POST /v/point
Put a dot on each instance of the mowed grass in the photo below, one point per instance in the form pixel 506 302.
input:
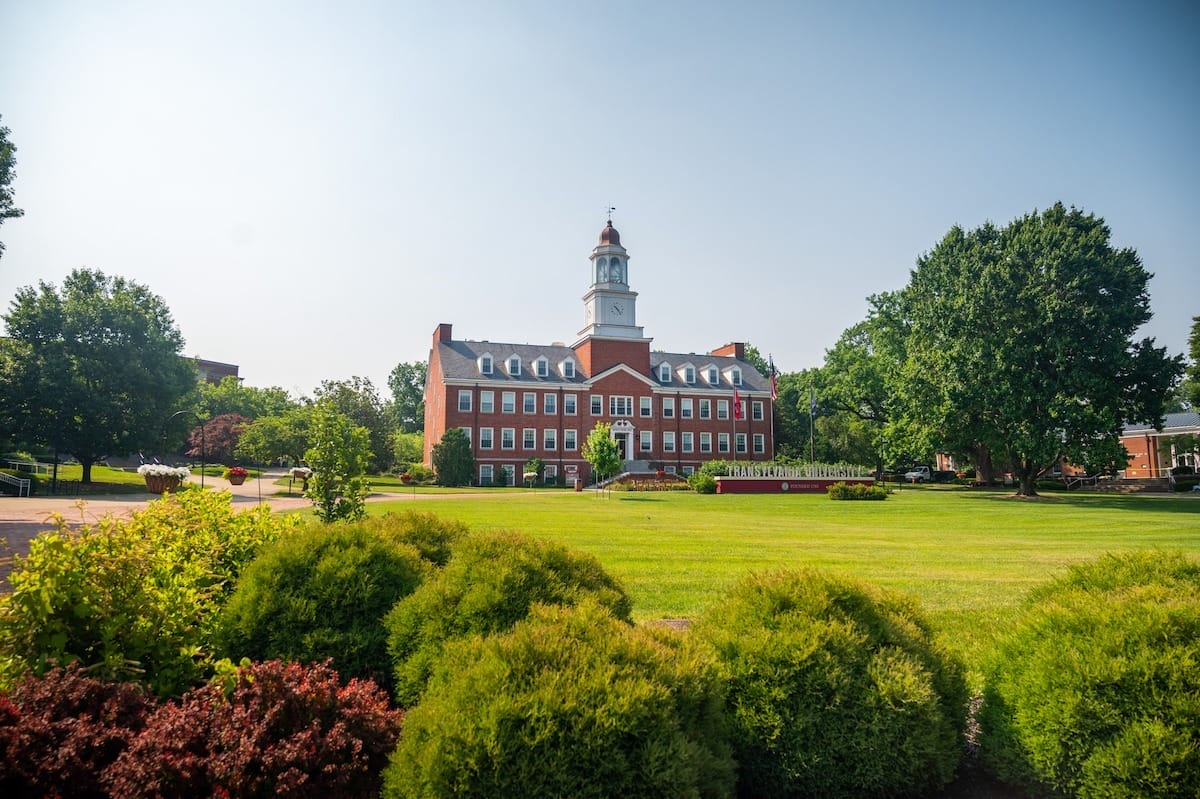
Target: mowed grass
pixel 968 556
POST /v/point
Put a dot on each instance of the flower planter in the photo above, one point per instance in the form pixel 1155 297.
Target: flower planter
pixel 237 479
pixel 159 484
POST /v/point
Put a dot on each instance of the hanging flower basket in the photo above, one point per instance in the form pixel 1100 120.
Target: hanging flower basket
pixel 236 475
pixel 161 478
pixel 406 478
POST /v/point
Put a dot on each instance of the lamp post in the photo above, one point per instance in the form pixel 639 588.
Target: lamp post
pixel 202 446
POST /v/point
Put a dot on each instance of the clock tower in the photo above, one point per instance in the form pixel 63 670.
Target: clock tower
pixel 610 308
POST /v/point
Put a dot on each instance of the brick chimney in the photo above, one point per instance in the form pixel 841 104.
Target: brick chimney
pixel 737 349
pixel 442 333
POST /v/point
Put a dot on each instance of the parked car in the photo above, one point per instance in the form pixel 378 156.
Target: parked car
pixel 917 474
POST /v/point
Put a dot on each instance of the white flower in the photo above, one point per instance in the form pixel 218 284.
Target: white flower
pixel 162 470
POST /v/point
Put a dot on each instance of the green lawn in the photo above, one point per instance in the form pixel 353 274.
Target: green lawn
pixel 969 556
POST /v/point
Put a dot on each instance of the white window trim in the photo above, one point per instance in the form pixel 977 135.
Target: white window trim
pixel 491 438
pixel 465 394
pixel 526 438
pixel 486 363
pixel 525 402
pixel 550 403
pixel 668 407
pixel 550 439
pixel 645 441
pixel 487 401
pixel 664 372
pixel 504 397
pixel 645 407
pixel 593 401
pixel 512 436
pixel 510 362
pixel 572 436
pixel 567 369
pixel 687 407
pixel 574 405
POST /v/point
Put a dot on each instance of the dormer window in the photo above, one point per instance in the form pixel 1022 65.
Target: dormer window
pixel 735 376
pixel 514 366
pixel 485 364
pixel 664 372
pixel 714 377
pixel 689 374
pixel 568 369
pixel 541 367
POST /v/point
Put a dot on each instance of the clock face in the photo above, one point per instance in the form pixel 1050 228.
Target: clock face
pixel 617 308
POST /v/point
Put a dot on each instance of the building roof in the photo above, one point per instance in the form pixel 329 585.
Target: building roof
pixel 610 235
pixel 1172 423
pixel 460 362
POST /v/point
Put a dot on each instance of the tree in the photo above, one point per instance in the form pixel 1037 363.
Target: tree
pixel 94 370
pixel 338 456
pixel 357 400
pixel 407 448
pixel 452 459
pixel 232 396
pixel 1193 371
pixel 7 162
pixel 1018 342
pixel 600 450
pixel 407 384
pixel 217 438
pixel 270 438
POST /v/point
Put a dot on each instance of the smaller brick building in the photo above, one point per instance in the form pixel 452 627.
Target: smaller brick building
pixel 668 411
pixel 1142 441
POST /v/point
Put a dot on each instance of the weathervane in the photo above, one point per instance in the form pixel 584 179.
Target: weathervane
pixel 610 209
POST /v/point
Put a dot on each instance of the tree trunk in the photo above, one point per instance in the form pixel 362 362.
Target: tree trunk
pixel 1027 475
pixel 86 463
pixel 981 459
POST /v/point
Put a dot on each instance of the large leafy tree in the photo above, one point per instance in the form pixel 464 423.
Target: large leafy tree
pixel 232 396
pixel 270 438
pixel 452 459
pixel 1192 393
pixel 1019 343
pixel 7 162
pixel 216 439
pixel 357 400
pixel 94 370
pixel 338 456
pixel 407 384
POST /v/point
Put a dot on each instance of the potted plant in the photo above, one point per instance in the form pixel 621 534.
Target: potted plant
pixel 161 478
pixel 236 475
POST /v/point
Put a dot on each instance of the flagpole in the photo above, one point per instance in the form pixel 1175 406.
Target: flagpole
pixel 734 415
pixel 812 410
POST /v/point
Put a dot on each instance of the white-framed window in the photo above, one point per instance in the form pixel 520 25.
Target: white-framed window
pixel 646 441
pixel 705 409
pixel 664 372
pixel 467 433
pixel 689 374
pixel 620 406
pixel 541 367
pixel 597 404
pixel 570 440
pixel 486 438
pixel 515 470
pixel 686 441
pixel 741 409
pixel 529 402
pixel 669 468
pixel 714 376
pixel 487 401
pixel 514 365
pixel 485 474
pixel 550 474
pixel 757 410
pixel 668 440
pixel 508 402
pixel 668 406
pixel 760 443
pixel 706 442
pixel 549 404
pixel 741 442
pixel 687 471
pixel 645 406
pixel 722 442
pixel 549 439
pixel 464 400
pixel 722 409
pixel 735 375
pixel 568 369
pixel 529 438
pixel 685 407
pixel 508 438
pixel 485 364
pixel 569 404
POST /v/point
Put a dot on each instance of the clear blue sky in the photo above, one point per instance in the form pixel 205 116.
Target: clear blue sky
pixel 313 187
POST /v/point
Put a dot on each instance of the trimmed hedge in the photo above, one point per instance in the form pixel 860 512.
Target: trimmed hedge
pixel 1094 692
pixel 433 537
pixel 836 689
pixel 860 491
pixel 571 702
pixel 322 594
pixel 489 585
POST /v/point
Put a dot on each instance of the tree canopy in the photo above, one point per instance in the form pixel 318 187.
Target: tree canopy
pixel 338 457
pixel 270 438
pixel 232 396
pixel 1192 394
pixel 94 370
pixel 357 400
pixel 407 384
pixel 1018 344
pixel 7 162
pixel 601 452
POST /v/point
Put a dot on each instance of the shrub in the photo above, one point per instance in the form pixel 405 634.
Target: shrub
pixel 133 598
pixel 861 491
pixel 1186 483
pixel 322 594
pixel 714 468
pixel 702 483
pixel 570 702
pixel 420 474
pixel 279 730
pixel 1093 693
pixel 836 689
pixel 58 732
pixel 432 536
pixel 489 585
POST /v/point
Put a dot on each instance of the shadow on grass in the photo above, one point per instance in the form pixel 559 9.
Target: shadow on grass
pixel 641 499
pixel 1165 503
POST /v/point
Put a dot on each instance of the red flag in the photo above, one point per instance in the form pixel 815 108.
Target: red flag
pixel 737 405
pixel 774 388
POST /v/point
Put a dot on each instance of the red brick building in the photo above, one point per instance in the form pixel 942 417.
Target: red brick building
pixel 1148 459
pixel 668 411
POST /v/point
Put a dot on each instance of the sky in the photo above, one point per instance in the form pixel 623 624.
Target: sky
pixel 313 187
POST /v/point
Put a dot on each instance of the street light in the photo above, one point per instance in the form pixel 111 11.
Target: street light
pixel 202 447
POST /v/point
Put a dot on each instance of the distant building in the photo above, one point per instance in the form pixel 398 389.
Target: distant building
pixel 668 411
pixel 1141 441
pixel 214 371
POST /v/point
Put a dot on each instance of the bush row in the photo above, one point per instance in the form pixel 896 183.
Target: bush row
pixel 859 491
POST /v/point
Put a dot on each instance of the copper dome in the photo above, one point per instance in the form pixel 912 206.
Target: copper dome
pixel 610 235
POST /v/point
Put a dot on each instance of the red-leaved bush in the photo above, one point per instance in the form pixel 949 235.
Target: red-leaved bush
pixel 58 732
pixel 285 730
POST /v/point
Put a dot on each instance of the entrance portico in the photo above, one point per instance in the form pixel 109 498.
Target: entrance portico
pixel 622 433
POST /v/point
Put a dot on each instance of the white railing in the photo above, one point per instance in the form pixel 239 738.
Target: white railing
pixel 22 483
pixel 32 467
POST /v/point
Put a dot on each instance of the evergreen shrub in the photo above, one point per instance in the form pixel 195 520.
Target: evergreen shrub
pixel 860 491
pixel 322 593
pixel 274 730
pixel 58 732
pixel 1094 692
pixel 131 599
pixel 702 483
pixel 836 689
pixel 570 702
pixel 489 584
pixel 432 536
